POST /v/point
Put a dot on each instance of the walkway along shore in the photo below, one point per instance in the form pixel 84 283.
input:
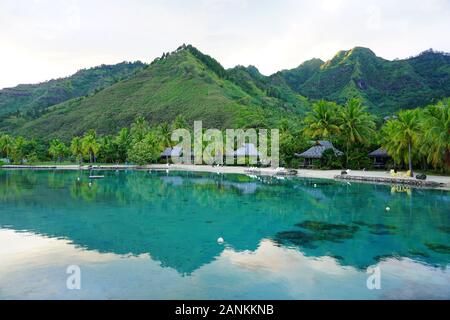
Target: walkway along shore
pixel 383 177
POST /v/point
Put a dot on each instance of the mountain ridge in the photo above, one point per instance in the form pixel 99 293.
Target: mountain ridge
pixel 190 83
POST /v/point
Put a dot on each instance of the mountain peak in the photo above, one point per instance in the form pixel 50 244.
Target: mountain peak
pixel 349 56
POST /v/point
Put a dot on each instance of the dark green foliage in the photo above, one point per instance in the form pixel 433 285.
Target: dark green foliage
pixel 330 160
pixel 385 86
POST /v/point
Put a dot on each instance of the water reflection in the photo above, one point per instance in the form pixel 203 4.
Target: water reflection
pixel 174 220
pixel 34 267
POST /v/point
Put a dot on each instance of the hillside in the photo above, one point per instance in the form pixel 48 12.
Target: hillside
pixel 185 82
pixel 189 83
pixel 33 99
pixel 386 86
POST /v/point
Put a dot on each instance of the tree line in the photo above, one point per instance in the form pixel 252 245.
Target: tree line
pixel 413 138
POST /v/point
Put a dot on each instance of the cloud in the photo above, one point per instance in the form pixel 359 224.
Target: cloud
pixel 46 39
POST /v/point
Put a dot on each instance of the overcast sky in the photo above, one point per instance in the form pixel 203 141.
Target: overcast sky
pixel 45 39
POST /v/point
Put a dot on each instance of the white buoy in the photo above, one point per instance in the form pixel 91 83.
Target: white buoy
pixel 315 185
pixel 90 184
pixel 78 179
pixel 220 240
pixel 388 209
pixel 167 170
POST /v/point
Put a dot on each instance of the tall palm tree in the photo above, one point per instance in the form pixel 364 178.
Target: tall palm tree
pixel 139 129
pixel 322 121
pixel 400 136
pixel 165 133
pixel 57 150
pixel 6 144
pixel 76 147
pixel 436 134
pixel 90 145
pixel 123 140
pixel 357 125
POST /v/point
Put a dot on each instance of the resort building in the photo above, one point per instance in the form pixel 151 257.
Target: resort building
pixel 316 153
pixel 246 150
pixel 169 152
pixel 380 158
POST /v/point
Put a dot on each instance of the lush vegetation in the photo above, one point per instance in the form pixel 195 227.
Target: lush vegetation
pixel 30 101
pixel 419 137
pixel 131 118
pixel 414 138
pixel 189 83
pixel 384 86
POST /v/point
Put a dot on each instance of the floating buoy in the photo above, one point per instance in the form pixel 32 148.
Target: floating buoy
pixel 90 184
pixel 315 185
pixel 78 179
pixel 388 209
pixel 167 170
pixel 220 240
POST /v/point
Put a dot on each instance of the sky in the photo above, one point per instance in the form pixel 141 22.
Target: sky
pixel 46 39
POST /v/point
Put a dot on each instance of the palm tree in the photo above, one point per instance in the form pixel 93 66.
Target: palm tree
pixel 6 144
pixel 57 150
pixel 18 149
pixel 77 148
pixel 400 136
pixel 180 123
pixel 436 134
pixel 123 140
pixel 322 121
pixel 139 129
pixel 90 145
pixel 166 134
pixel 357 125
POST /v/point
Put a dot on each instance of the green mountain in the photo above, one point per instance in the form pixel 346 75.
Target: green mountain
pixel 189 83
pixel 184 82
pixel 33 99
pixel 386 86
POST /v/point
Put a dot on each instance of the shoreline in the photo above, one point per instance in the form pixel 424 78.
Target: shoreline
pixel 374 177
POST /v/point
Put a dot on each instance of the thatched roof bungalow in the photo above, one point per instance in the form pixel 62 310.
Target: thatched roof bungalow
pixel 316 152
pixel 380 157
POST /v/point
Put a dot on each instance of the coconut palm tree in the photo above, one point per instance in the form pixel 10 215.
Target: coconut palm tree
pixel 436 134
pixel 90 145
pixel 356 125
pixel 76 147
pixel 57 150
pixel 123 140
pixel 322 121
pixel 139 129
pixel 400 136
pixel 6 144
pixel 165 133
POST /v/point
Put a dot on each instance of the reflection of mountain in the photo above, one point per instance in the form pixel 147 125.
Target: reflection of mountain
pixel 177 217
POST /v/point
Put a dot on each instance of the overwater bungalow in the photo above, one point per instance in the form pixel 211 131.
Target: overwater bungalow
pixel 380 158
pixel 316 153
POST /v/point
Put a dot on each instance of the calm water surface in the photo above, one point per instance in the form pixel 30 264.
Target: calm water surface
pixel 141 235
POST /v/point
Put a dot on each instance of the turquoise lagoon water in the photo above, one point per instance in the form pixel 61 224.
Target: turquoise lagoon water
pixel 153 235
